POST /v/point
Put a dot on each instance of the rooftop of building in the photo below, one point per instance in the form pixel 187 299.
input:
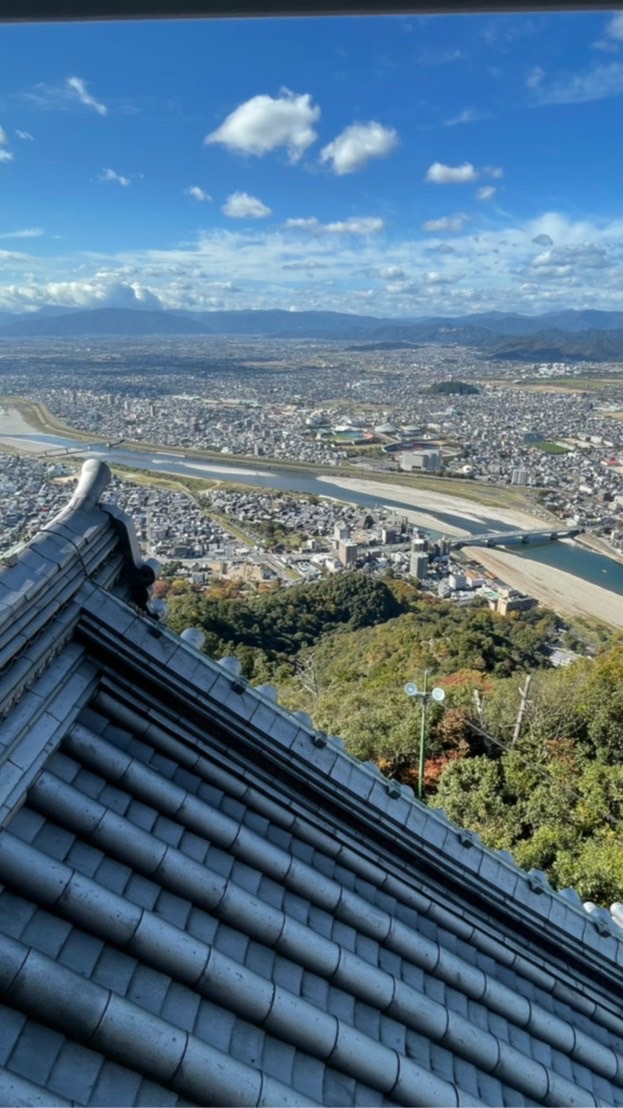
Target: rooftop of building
pixel 205 900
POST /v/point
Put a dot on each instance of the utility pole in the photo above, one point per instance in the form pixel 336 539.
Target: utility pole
pixel 424 695
pixel 306 673
pixel 523 704
pixel 479 703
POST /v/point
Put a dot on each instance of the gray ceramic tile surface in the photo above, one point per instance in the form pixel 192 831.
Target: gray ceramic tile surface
pixel 292 947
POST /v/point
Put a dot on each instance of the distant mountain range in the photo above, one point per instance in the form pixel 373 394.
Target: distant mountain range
pixel 552 336
pixel 556 346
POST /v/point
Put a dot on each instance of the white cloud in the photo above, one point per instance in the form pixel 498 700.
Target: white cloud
pixel 535 77
pixel 77 86
pixel 4 138
pixel 111 175
pixel 391 273
pixel 6 156
pixel 436 278
pixel 587 255
pixel 197 193
pixel 102 291
pixel 441 174
pixel 477 272
pixel 468 115
pixel 264 123
pixel 440 248
pixel 355 225
pixel 25 136
pixel 304 267
pixel 494 171
pixel 27 233
pixel 602 82
pixel 615 27
pixel 543 240
pixel 452 223
pixel 487 192
pixel 356 146
pixel 242 206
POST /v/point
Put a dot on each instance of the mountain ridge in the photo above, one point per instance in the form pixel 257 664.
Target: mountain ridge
pixel 553 336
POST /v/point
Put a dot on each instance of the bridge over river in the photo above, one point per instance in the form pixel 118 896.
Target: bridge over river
pixel 518 538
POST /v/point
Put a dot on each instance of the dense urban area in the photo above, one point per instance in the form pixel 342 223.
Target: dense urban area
pixel 431 410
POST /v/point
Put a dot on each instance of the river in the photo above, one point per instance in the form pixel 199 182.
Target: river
pixel 568 556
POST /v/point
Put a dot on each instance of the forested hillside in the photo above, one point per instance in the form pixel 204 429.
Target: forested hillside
pixel 342 650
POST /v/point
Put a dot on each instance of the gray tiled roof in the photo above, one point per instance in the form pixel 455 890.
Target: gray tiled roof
pixel 202 900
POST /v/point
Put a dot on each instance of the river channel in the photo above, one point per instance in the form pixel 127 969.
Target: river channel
pixel 568 556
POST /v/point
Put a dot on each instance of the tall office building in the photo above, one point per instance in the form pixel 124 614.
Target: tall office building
pixel 418 565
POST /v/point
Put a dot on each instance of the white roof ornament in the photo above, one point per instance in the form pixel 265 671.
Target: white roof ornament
pixel 231 664
pixel 194 637
pixel 158 608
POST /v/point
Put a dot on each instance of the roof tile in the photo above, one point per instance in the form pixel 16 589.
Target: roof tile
pixel 247 1043
pixel 151 1095
pixel 180 1006
pixel 114 970
pixel 115 799
pixel 278 1059
pixel 168 831
pixel 367 1020
pixel 315 989
pixel 95 721
pixel 141 815
pixel 35 1052
pixel 173 908
pixel 193 846
pixel 46 933
pixel 148 988
pixel 186 780
pixel 215 1025
pixel 308 1075
pixel 113 875
pixel 116 1086
pixel 81 952
pixel 89 783
pixel 11 1024
pixel 63 766
pixel 338 1088
pixel 260 960
pixel 288 975
pixel 458 935
pixel 75 1072
pixel 26 824
pixel 247 877
pixel 202 926
pixel 54 841
pixel 85 858
pixel 341 1005
pixel 232 943
pixel 140 890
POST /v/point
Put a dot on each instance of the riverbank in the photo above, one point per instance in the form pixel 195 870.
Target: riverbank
pixel 36 417
pixel 426 503
pixel 12 423
pixel 575 589
pixel 560 591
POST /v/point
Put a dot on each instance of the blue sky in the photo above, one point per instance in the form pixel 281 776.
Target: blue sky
pixel 380 165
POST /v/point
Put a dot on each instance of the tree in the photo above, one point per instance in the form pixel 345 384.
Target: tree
pixel 473 794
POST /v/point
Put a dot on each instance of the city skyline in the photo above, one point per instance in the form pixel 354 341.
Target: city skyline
pixel 380 165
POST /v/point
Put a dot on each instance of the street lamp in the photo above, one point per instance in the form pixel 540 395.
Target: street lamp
pixel 423 695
